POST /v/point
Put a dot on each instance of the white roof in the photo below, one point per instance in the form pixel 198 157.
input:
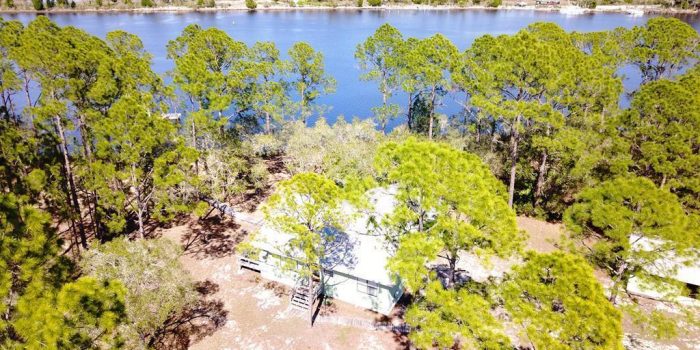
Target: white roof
pixel 367 255
pixel 687 273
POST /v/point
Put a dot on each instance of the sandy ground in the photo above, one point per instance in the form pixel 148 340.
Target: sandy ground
pixel 256 311
pixel 253 313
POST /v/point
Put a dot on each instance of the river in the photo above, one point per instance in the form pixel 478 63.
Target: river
pixel 336 34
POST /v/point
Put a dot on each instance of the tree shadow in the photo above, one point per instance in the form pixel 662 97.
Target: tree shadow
pixel 194 323
pixel 394 323
pixel 212 237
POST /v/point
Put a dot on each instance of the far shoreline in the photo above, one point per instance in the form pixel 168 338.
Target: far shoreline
pixel 647 9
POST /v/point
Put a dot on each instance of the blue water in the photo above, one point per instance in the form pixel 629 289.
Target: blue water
pixel 336 34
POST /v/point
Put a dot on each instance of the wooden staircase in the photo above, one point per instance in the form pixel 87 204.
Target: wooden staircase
pixel 305 294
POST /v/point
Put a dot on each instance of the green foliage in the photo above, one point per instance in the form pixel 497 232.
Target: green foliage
pixel 41 307
pixel 560 305
pixel 374 3
pixel 495 3
pixel 448 203
pixel 147 3
pixel 157 286
pixel 359 3
pixel 310 78
pixel 340 152
pixel 664 46
pixel 425 73
pixel 547 101
pixel 251 4
pixel 635 224
pixel 380 58
pixel 38 4
pixel 662 128
pixel 308 208
pixel 447 314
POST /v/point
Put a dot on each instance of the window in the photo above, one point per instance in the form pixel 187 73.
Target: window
pixel 367 287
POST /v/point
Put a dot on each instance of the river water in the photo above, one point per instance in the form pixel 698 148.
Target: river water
pixel 336 34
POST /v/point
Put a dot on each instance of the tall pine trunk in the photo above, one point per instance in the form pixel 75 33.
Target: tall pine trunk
pixel 72 192
pixel 514 138
pixel 432 115
pixel 539 186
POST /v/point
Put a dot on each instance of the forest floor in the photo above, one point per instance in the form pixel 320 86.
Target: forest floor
pixel 257 313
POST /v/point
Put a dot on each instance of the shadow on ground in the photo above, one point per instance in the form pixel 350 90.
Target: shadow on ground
pixel 194 323
pixel 212 237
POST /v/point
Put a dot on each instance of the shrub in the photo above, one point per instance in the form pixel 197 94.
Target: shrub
pixel 211 3
pixel 98 3
pixel 374 3
pixel 251 4
pixel 38 5
pixel 147 3
pixel 72 4
pixel 476 2
pixel 359 3
pixel 417 2
pixel 10 3
pixel 495 3
pixel 50 3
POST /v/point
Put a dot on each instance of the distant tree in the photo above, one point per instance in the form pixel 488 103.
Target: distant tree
pixel 269 97
pixel 157 286
pixel 310 80
pixel 141 164
pixel 559 304
pixel 380 58
pixel 374 3
pixel 663 47
pixel 251 4
pixel 553 108
pixel 426 70
pixel 662 127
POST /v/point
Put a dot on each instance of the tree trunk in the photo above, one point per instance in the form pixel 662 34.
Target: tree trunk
pixel 617 281
pixel 432 114
pixel 663 181
pixel 194 145
pixel 540 179
pixel 514 160
pixel 453 269
pixel 267 123
pixel 72 192
pixel 139 201
pixel 409 117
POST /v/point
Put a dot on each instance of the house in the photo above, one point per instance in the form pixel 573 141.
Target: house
pixel 355 268
pixel 670 267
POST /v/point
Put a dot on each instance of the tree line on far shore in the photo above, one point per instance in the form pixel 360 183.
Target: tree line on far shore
pixel 92 158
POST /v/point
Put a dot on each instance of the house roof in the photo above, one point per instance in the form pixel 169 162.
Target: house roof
pixel 363 253
pixel 684 272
